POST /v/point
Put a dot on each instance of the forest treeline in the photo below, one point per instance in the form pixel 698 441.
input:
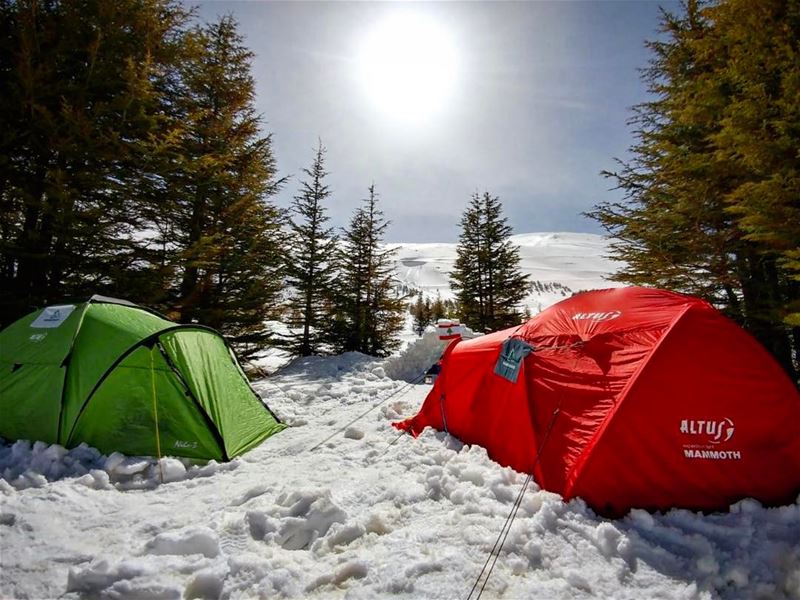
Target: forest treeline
pixel 133 164
pixel 712 188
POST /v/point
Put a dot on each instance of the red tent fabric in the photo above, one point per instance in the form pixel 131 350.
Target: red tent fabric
pixel 632 397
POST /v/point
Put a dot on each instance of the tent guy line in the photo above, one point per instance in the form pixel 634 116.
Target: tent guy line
pixel 392 443
pixel 506 529
pixel 402 389
pixel 497 548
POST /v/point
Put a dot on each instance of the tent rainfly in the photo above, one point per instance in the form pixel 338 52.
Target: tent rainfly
pixel 122 378
pixel 628 397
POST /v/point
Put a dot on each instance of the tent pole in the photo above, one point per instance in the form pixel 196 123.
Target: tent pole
pixel 155 413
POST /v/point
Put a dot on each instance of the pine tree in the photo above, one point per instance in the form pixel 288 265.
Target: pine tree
pixel 81 114
pixel 349 307
pixel 311 259
pixel 369 312
pixel 216 217
pixel 506 286
pixel 467 278
pixel 756 45
pixel 694 217
pixel 420 314
pixel 486 275
pixel 438 309
pixel 661 229
pixel 385 304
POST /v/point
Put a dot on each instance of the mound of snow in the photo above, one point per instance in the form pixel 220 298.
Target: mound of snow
pixel 191 540
pixel 416 358
pixel 33 465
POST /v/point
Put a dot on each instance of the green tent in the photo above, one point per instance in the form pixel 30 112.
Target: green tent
pixel 122 378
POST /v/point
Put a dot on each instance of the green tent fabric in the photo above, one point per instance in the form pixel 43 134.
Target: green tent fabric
pixel 121 378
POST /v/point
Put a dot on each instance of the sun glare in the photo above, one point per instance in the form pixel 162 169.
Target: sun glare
pixel 408 66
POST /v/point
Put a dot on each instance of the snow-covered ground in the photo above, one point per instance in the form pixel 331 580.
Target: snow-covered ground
pixel 558 265
pixel 365 514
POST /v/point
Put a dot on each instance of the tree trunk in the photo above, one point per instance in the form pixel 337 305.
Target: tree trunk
pixel 191 275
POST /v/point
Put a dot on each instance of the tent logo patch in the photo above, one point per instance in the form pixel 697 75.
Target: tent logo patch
pixel 53 316
pixel 710 432
pixel 705 436
pixel 712 454
pixel 597 316
pixel 184 444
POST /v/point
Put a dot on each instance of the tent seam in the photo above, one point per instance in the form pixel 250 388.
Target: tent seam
pixel 106 300
pixel 67 363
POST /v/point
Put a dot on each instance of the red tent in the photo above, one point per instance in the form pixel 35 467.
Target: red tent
pixel 630 397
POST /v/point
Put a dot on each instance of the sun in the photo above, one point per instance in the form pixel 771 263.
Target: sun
pixel 408 66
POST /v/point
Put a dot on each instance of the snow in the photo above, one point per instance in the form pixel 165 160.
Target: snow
pixel 416 357
pixel 561 263
pixel 341 504
pixel 369 513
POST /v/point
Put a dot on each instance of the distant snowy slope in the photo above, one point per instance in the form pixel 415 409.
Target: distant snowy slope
pixel 558 265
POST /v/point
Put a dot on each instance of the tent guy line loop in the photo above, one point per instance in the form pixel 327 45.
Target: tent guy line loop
pixel 402 389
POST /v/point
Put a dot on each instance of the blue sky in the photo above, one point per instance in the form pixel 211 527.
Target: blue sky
pixel 537 109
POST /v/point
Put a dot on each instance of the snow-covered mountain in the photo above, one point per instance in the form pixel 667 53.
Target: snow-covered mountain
pixel 558 264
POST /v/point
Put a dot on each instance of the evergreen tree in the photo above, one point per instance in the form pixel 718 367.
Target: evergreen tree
pixel 310 259
pixel 664 235
pixel 81 115
pixel 758 77
pixel 216 215
pixel 438 309
pixel 486 275
pixel 422 312
pixel 369 312
pixel 700 187
pixel 468 277
pixel 349 308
